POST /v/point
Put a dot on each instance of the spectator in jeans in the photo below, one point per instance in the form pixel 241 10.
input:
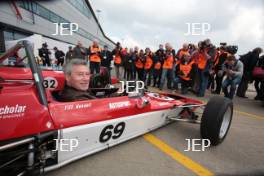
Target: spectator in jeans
pixel 234 72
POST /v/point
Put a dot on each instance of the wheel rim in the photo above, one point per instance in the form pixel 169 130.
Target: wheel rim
pixel 225 123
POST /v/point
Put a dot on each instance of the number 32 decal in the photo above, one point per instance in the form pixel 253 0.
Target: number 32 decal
pixel 111 131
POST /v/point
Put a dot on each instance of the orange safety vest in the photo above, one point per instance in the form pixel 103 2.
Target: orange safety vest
pixel 186 69
pixel 95 57
pixel 183 52
pixel 157 65
pixel 117 59
pixel 148 63
pixel 139 64
pixel 202 61
pixel 168 62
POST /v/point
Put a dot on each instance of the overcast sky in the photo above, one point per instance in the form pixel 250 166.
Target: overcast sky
pixel 147 23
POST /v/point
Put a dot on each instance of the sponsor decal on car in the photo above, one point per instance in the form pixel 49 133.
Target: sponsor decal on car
pixel 12 111
pixel 164 103
pixel 77 106
pixel 119 105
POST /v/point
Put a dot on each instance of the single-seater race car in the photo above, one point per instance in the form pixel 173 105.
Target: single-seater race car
pixel 39 133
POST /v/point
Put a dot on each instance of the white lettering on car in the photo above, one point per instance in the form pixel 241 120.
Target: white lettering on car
pixel 12 111
pixel 119 105
pixel 77 106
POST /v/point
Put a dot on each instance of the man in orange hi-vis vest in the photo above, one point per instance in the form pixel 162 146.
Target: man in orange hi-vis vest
pixel 167 67
pixel 148 67
pixel 117 59
pixel 139 63
pixel 184 50
pixel 203 69
pixel 157 69
pixel 94 58
pixel 183 73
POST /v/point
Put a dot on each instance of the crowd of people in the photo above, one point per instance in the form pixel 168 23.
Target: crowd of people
pixel 192 68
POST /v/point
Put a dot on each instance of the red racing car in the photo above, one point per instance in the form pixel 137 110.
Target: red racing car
pixel 39 133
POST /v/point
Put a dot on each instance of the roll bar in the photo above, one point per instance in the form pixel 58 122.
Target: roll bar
pixel 36 72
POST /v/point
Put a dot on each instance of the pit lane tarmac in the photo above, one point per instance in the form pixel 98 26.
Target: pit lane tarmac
pixel 162 152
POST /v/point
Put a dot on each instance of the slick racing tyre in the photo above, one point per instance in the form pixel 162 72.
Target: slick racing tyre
pixel 216 119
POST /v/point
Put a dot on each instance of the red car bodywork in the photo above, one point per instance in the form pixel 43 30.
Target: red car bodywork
pixel 37 118
pixel 18 91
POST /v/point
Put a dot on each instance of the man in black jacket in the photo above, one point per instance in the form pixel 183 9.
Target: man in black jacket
pixel 106 58
pixel 59 55
pixel 249 60
pixel 69 54
pixel 44 55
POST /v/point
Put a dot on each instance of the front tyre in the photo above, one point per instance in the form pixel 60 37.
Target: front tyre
pixel 216 119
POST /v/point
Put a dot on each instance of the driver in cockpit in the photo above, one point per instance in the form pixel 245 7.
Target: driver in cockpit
pixel 77 76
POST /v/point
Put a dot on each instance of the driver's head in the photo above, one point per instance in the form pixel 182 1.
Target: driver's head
pixel 77 74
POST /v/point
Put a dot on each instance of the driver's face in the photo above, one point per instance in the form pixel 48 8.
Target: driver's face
pixel 79 78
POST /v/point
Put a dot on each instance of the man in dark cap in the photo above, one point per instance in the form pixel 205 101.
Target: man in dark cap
pixel 69 55
pixel 44 55
pixel 106 58
pixel 59 55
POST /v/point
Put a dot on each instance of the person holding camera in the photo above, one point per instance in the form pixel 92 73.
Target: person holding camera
pixel 183 73
pixel 249 60
pixel 233 69
pixel 167 67
pixel 59 55
pixel 203 64
pixel 44 54
pixel 218 69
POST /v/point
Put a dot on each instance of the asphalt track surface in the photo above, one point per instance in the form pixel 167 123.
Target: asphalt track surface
pixel 161 152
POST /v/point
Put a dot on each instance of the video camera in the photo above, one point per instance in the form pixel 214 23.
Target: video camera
pixel 232 49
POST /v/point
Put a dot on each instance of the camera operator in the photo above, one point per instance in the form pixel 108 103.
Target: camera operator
pixel 233 69
pixel 204 64
pixel 218 68
pixel 249 60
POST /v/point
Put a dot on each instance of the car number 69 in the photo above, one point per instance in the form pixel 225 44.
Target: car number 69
pixel 111 131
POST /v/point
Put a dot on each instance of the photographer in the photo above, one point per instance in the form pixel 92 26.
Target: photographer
pixel 249 60
pixel 204 65
pixel 167 67
pixel 44 54
pixel 183 73
pixel 59 55
pixel 218 69
pixel 233 69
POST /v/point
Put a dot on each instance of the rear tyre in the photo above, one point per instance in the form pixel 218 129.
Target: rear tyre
pixel 216 119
